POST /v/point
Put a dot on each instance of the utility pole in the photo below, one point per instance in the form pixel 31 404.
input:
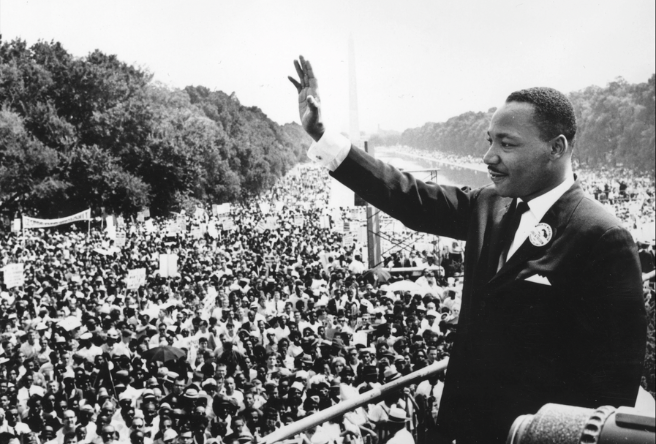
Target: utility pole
pixel 373 226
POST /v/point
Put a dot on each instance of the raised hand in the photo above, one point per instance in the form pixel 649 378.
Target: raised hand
pixel 309 105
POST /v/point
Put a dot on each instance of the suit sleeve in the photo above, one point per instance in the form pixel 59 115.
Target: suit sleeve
pixel 617 319
pixel 421 206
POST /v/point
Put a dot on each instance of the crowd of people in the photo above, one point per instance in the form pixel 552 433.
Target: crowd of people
pixel 266 316
pixel 626 193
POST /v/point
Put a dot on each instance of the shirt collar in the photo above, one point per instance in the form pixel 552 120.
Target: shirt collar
pixel 541 204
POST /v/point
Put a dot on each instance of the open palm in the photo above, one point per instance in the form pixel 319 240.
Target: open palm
pixel 309 107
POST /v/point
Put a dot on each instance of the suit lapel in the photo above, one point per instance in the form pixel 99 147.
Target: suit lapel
pixel 557 218
pixel 486 264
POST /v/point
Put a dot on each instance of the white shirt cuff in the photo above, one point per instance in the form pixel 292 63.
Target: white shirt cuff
pixel 330 151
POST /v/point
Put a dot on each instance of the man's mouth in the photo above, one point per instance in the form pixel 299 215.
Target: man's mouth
pixel 496 176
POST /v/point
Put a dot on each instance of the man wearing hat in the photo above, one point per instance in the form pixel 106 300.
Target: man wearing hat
pixel 396 426
pixel 86 348
pixel 430 322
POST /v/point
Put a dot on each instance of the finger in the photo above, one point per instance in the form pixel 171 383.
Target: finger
pixel 310 74
pixel 296 84
pixel 304 63
pixel 299 71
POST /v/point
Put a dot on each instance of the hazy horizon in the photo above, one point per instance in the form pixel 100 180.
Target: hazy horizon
pixel 416 62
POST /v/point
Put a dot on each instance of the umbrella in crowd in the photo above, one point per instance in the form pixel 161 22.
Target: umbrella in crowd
pixel 163 353
pixel 70 323
pixel 407 286
pixel 377 274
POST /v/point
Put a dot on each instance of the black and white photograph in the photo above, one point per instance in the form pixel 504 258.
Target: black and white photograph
pixel 327 222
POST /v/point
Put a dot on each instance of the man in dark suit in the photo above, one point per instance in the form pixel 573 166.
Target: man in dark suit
pixel 552 308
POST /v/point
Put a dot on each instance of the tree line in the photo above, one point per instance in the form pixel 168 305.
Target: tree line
pixel 616 128
pixel 80 132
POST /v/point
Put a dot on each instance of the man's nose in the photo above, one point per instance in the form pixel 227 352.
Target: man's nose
pixel 491 157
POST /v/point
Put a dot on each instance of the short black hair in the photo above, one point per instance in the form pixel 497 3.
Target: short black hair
pixel 554 113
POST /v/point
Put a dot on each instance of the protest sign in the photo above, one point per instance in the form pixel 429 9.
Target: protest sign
pixel 121 238
pixel 199 213
pixel 212 231
pixel 168 265
pixel 265 207
pixel 135 278
pixel 16 226
pixel 324 221
pixel 228 225
pixel 270 259
pixel 31 222
pixel 218 210
pixel 271 223
pixel 347 240
pixel 172 229
pixel 14 276
pixel 146 212
pixel 360 337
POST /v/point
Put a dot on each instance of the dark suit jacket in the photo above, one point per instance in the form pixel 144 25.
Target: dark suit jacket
pixel 519 345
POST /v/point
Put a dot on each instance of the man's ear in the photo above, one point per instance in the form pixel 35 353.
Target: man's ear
pixel 559 147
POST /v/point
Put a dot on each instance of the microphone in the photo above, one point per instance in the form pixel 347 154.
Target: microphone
pixel 564 424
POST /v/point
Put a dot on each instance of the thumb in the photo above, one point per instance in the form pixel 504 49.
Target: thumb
pixel 313 103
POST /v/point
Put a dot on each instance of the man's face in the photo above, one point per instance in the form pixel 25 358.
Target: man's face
pixel 518 160
pixel 108 434
pixel 178 386
pixel 150 411
pixel 12 416
pixel 238 425
pixel 137 424
pixel 69 419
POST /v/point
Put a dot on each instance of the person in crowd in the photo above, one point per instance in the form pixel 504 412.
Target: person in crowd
pixel 271 321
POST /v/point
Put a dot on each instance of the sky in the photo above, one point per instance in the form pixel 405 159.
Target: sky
pixel 416 61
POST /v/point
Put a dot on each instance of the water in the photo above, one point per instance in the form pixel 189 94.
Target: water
pixel 447 174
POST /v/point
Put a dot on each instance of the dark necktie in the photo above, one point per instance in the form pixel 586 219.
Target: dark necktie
pixel 510 228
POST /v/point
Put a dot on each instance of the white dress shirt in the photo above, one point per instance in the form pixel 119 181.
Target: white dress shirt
pixel 538 207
